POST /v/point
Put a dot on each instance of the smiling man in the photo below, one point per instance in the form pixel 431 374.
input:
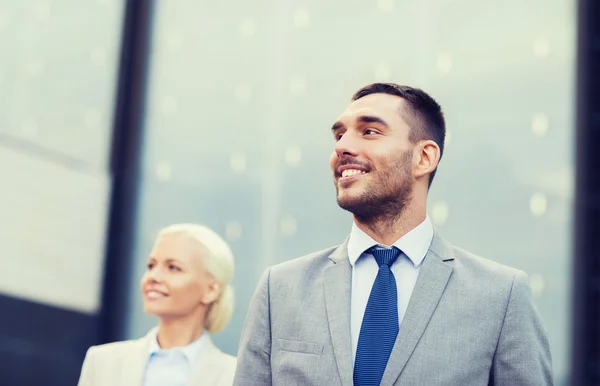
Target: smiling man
pixel 394 304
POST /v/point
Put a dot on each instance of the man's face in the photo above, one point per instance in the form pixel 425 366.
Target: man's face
pixel 373 159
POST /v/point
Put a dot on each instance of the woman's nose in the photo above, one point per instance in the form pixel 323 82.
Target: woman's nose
pixel 155 275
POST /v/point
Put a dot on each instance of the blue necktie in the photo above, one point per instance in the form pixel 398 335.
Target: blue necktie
pixel 380 323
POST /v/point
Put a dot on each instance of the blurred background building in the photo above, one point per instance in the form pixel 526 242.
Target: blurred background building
pixel 120 117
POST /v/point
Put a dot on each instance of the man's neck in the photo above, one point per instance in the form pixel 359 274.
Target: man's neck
pixel 388 230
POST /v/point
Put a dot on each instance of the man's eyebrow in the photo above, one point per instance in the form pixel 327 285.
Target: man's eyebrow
pixel 336 126
pixel 372 119
pixel 361 119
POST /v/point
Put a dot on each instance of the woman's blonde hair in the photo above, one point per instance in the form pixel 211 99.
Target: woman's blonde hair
pixel 218 260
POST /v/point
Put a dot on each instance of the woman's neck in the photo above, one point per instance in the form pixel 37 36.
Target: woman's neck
pixel 179 332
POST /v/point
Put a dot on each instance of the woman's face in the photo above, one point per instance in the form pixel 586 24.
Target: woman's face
pixel 176 283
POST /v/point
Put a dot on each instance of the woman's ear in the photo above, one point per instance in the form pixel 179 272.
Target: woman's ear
pixel 213 291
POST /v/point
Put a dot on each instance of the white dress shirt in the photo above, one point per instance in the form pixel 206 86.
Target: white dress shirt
pixel 414 246
pixel 172 366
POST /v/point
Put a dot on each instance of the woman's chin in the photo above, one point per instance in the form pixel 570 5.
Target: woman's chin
pixel 152 309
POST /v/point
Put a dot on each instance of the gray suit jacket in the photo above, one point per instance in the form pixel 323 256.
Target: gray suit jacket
pixel 470 321
pixel 124 364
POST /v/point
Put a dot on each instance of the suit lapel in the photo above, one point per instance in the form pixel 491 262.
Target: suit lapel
pixel 133 365
pixel 208 366
pixel 426 295
pixel 337 282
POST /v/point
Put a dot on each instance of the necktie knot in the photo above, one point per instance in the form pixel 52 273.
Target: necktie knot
pixel 385 256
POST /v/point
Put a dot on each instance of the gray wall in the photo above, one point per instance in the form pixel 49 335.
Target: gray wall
pixel 241 100
pixel 57 84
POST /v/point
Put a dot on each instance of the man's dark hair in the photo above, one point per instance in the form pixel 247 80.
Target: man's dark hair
pixel 422 113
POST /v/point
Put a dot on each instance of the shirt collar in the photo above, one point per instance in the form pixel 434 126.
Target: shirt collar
pixel 191 351
pixel 414 244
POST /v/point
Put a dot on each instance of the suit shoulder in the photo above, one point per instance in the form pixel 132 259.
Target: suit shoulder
pixel 227 359
pixel 303 262
pixel 230 361
pixel 228 364
pixel 114 348
pixel 485 267
pixel 301 266
pixel 485 279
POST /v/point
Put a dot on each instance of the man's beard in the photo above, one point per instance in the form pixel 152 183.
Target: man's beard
pixel 385 197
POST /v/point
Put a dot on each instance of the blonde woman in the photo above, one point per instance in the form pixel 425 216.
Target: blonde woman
pixel 187 286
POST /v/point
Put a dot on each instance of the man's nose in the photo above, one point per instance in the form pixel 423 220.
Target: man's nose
pixel 347 144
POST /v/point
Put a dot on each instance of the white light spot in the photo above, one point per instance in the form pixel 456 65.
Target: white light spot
pixel 297 86
pixel 302 18
pixel 4 19
pixel 92 119
pixel 538 204
pixel 248 28
pixel 233 230
pixel 448 137
pixel 293 155
pixel 163 172
pixel 537 283
pixel 237 162
pixel 175 40
pixel 385 5
pixel 29 128
pixel 35 68
pixel 288 225
pixel 168 105
pixel 444 63
pixel 440 212
pixel 243 93
pixel 42 11
pixel 541 48
pixel 539 124
pixel 383 72
pixel 98 57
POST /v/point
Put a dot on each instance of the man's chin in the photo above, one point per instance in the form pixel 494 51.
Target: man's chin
pixel 350 203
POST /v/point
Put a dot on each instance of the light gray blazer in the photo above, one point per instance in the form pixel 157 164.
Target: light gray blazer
pixel 124 364
pixel 470 321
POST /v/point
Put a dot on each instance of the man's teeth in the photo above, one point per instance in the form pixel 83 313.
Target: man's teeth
pixel 351 172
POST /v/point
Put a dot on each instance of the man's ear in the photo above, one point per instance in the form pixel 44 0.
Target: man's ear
pixel 428 157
